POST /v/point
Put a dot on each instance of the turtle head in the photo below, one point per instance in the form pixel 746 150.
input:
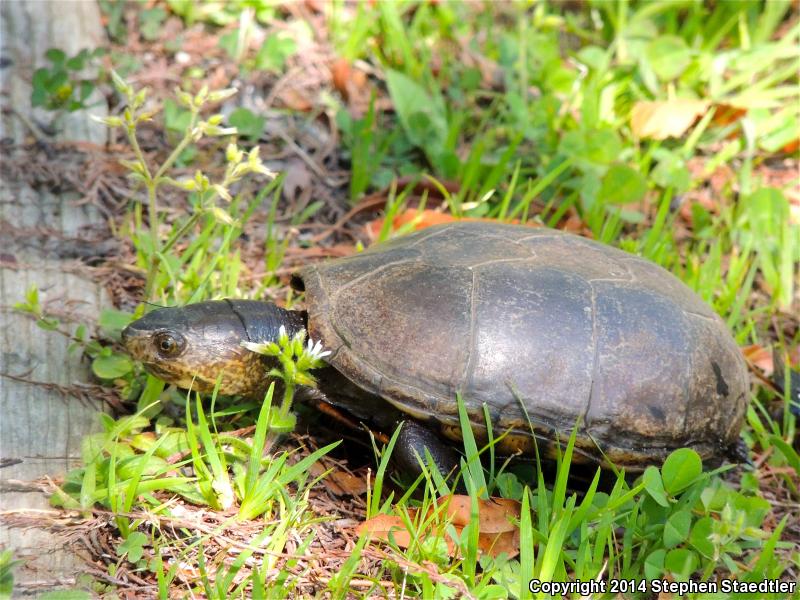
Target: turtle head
pixel 194 345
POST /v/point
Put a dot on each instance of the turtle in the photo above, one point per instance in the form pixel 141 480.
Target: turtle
pixel 536 330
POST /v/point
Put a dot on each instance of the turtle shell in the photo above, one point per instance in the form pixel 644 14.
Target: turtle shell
pixel 538 329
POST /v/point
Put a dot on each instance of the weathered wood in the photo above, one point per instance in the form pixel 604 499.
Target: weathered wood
pixel 41 427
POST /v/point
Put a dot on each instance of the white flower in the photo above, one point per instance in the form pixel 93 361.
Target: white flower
pixel 254 347
pixel 283 337
pixel 315 351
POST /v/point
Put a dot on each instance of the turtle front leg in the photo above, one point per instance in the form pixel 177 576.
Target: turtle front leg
pixel 409 451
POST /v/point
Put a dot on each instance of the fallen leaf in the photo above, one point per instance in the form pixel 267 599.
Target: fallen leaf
pixel 297 183
pixel 335 251
pixel 497 529
pixel 340 74
pixel 791 147
pixel 294 99
pixel 385 528
pixel 575 224
pixel 760 357
pixel 727 114
pixel 420 219
pixel 352 84
pixel 660 120
pixel 338 481
pixel 494 514
pixel 435 188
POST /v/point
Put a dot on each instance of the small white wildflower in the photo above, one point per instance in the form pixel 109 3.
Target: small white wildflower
pixel 202 95
pixel 189 185
pixel 224 492
pixel 233 154
pixel 184 98
pixel 315 351
pixel 138 99
pixel 221 215
pixel 121 85
pixel 222 191
pixel 133 165
pixel 283 337
pixel 215 130
pixel 254 164
pixel 107 121
pixel 202 183
pixel 219 95
pixel 256 347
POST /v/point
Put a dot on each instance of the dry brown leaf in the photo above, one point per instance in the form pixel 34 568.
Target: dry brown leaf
pixel 386 527
pixel 574 224
pixel 497 533
pixel 298 182
pixel 495 513
pixel 315 252
pixel 340 74
pixel 420 219
pixel 294 99
pixel 727 114
pixel 350 484
pixel 352 84
pixel 660 120
pixel 791 147
pixel 338 481
pixel 760 357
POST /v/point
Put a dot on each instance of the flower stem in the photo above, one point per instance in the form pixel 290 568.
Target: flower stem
pixel 288 395
pixel 152 182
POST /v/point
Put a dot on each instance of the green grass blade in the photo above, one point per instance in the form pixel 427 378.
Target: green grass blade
pixel 259 442
pixel 474 470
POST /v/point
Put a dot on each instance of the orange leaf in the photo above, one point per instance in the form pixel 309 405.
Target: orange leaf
pixel 495 544
pixel 791 147
pixel 352 84
pixel 760 357
pixel 495 514
pixel 340 73
pixel 727 114
pixel 660 120
pixel 338 481
pixel 420 219
pixel 386 527
pixel 497 530
pixel 294 99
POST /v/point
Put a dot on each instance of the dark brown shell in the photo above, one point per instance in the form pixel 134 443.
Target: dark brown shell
pixel 545 329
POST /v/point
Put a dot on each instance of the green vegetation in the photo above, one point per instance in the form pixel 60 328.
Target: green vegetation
pixel 59 87
pixel 658 127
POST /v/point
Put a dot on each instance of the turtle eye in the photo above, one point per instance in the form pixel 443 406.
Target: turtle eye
pixel 168 344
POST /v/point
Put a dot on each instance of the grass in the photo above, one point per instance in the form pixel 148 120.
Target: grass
pixel 510 112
